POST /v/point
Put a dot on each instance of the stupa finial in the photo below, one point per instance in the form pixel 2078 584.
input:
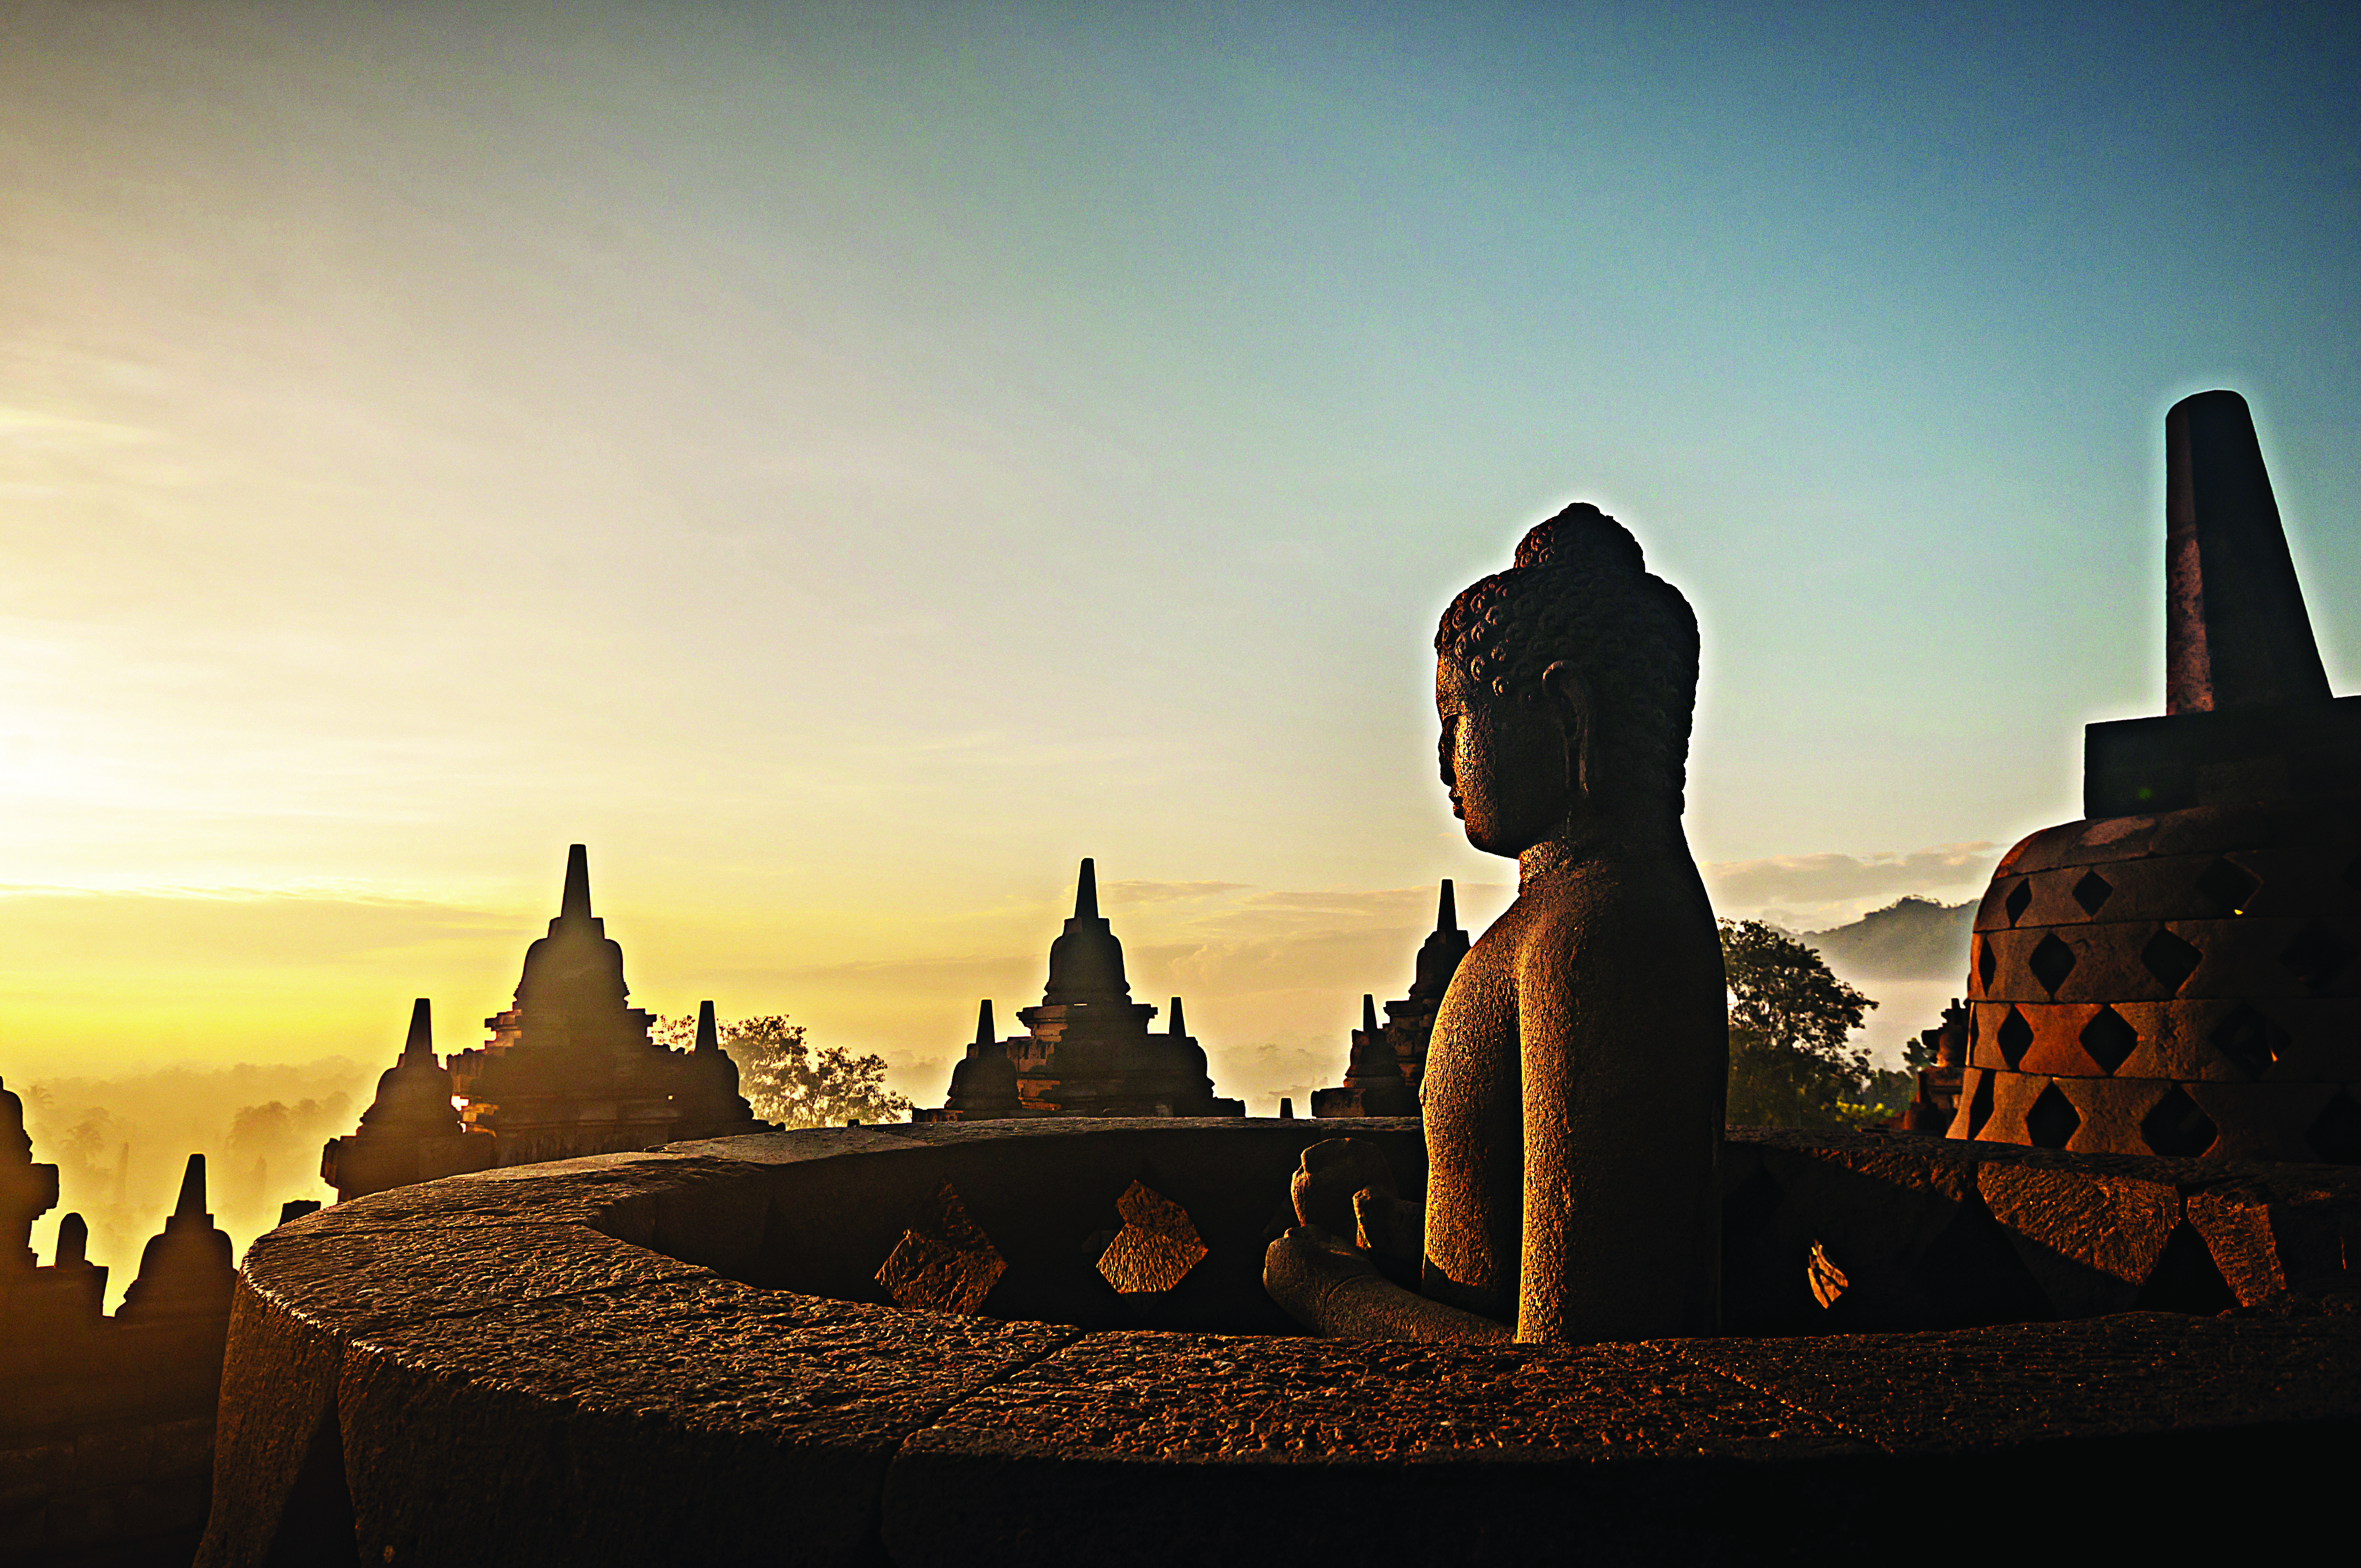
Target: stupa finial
pixel 1086 892
pixel 708 1032
pixel 1446 909
pixel 420 1045
pixel 1178 1025
pixel 575 904
pixel 1369 1015
pixel 191 1205
pixel 984 1032
pixel 2236 634
pixel 73 1242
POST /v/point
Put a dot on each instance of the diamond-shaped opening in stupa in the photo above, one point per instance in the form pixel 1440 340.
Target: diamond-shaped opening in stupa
pixel 2179 1127
pixel 1984 962
pixel 2335 1133
pixel 1980 1103
pixel 2229 887
pixel 2316 957
pixel 2052 1120
pixel 2170 959
pixel 2015 1037
pixel 2093 891
pixel 2109 1040
pixel 2248 1041
pixel 2051 962
pixel 2018 897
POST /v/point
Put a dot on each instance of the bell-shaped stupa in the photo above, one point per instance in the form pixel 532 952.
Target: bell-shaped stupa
pixel 1369 1088
pixel 411 1131
pixel 187 1271
pixel 570 1069
pixel 2179 973
pixel 707 1100
pixel 1087 1050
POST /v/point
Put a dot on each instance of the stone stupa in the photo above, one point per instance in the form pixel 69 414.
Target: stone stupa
pixel 2176 973
pixel 1087 1050
pixel 411 1131
pixel 570 1069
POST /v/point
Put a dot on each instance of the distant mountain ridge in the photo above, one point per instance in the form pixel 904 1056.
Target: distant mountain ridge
pixel 1914 938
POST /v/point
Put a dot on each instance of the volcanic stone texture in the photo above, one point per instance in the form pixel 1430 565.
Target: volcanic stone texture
pixel 689 1352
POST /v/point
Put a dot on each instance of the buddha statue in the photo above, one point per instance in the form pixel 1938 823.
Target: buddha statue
pixel 1574 1089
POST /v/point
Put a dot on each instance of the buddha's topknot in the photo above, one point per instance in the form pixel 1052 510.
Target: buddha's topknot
pixel 1581 593
pixel 1581 533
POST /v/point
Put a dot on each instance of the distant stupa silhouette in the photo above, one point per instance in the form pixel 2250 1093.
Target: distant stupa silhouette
pixel 1387 1062
pixel 1087 1050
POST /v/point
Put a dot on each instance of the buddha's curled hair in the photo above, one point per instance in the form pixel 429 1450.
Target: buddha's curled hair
pixel 1580 592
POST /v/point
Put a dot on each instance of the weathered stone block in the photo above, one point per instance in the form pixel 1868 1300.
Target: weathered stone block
pixel 2267 1239
pixel 2089 1241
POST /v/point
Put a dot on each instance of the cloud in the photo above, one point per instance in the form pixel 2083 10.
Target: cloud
pixel 1116 893
pixel 1831 882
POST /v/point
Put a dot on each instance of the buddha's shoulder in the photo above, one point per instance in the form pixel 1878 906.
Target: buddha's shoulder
pixel 1611 913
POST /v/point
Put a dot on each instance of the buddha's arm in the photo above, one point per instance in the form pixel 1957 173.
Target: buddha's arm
pixel 1621 1040
pixel 1552 1023
pixel 1334 1289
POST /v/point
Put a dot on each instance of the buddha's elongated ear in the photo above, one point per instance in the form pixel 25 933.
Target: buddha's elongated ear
pixel 1565 690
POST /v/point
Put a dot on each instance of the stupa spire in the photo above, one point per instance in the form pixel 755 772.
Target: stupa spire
pixel 1086 891
pixel 1178 1025
pixel 1446 909
pixel 191 1205
pixel 420 1045
pixel 708 1032
pixel 985 1033
pixel 575 904
pixel 1369 1015
pixel 2236 633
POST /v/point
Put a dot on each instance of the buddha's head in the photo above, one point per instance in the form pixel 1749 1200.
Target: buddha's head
pixel 1565 686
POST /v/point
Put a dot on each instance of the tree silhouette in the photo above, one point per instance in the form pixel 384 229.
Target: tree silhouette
pixel 1789 1020
pixel 788 1082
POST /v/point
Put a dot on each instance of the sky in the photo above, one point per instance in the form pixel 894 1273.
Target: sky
pixel 846 464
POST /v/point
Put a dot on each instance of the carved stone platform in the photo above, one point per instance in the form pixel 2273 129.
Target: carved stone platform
pixel 1044 1342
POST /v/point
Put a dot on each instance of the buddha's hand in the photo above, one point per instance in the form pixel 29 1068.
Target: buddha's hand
pixel 1394 1229
pixel 1334 1289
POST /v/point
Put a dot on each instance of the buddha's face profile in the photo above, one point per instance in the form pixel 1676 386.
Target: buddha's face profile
pixel 1505 759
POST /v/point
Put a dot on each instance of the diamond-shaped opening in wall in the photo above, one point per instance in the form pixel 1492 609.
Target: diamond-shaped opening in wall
pixel 1980 1103
pixel 2051 962
pixel 2109 1040
pixel 2018 897
pixel 2015 1037
pixel 2170 959
pixel 1984 962
pixel 2052 1120
pixel 2248 1041
pixel 2335 1133
pixel 1157 1247
pixel 944 1262
pixel 2093 891
pixel 2316 957
pixel 2229 887
pixel 2179 1127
